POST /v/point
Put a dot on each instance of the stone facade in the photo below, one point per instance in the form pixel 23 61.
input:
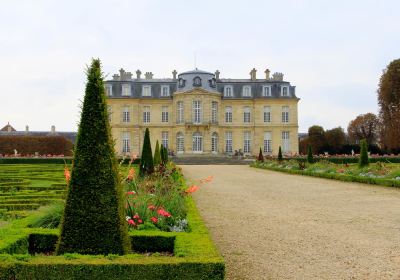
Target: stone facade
pixel 191 113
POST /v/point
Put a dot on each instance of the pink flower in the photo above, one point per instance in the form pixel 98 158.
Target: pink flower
pixel 131 222
pixel 154 219
pixel 164 213
pixel 192 189
pixel 139 221
pixel 136 216
pixel 151 207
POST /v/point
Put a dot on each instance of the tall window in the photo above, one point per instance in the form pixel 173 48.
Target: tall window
pixel 126 115
pixel 285 141
pixel 146 114
pixel 246 91
pixel 247 142
pixel 285 114
pixel 164 114
pixel 164 91
pixel 228 142
pixel 164 139
pixel 214 112
pixel 197 142
pixel 196 111
pixel 228 91
pixel 197 82
pixel 109 112
pixel 180 142
pixel 126 90
pixel 228 114
pixel 285 91
pixel 246 114
pixel 126 142
pixel 267 142
pixel 146 90
pixel 214 142
pixel 109 90
pixel 267 114
pixel 266 91
pixel 179 112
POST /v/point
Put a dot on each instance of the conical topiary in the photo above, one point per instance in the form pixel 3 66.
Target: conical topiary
pixel 166 155
pixel 157 155
pixel 280 157
pixel 146 161
pixel 363 161
pixel 260 156
pixel 310 158
pixel 94 217
pixel 162 152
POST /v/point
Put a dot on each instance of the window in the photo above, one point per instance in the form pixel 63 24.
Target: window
pixel 181 82
pixel 285 91
pixel 126 90
pixel 266 91
pixel 246 91
pixel 285 114
pixel 180 142
pixel 164 114
pixel 197 142
pixel 164 91
pixel 267 114
pixel 214 112
pixel 126 142
pixel 109 112
pixel 197 82
pixel 179 112
pixel 109 90
pixel 228 91
pixel 214 142
pixel 267 142
pixel 228 114
pixel 126 114
pixel 246 114
pixel 146 90
pixel 164 139
pixel 285 141
pixel 228 142
pixel 196 111
pixel 146 114
pixel 247 142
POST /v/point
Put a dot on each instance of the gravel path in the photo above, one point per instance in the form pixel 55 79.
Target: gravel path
pixel 271 225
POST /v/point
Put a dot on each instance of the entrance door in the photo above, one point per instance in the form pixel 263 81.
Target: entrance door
pixel 197 143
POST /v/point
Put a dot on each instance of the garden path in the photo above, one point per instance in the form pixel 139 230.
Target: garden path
pixel 271 225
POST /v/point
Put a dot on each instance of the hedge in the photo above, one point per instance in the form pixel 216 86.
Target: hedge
pixel 344 160
pixel 49 160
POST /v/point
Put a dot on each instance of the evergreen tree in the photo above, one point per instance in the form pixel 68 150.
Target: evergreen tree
pixel 94 217
pixel 260 156
pixel 280 157
pixel 363 161
pixel 146 160
pixel 157 154
pixel 164 155
pixel 310 158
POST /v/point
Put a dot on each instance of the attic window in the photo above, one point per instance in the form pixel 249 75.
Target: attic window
pixel 197 82
pixel 181 82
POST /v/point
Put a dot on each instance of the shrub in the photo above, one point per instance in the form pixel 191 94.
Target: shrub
pixel 363 161
pixel 260 156
pixel 280 157
pixel 164 154
pixel 28 145
pixel 94 220
pixel 146 161
pixel 310 158
pixel 157 155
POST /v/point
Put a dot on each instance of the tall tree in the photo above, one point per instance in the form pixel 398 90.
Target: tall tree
pixel 146 160
pixel 363 160
pixel 335 139
pixel 157 155
pixel 94 216
pixel 389 102
pixel 316 138
pixel 364 127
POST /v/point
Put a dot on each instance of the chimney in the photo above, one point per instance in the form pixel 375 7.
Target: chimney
pixel 26 128
pixel 115 77
pixel 53 129
pixel 138 73
pixel 217 75
pixel 253 75
pixel 121 72
pixel 9 127
pixel 148 75
pixel 174 74
pixel 267 74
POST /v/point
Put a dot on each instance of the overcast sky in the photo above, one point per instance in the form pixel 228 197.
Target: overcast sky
pixel 332 51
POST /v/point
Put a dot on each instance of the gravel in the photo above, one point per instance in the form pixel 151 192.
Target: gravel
pixel 271 225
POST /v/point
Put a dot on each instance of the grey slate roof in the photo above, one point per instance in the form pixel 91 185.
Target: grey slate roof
pixel 69 135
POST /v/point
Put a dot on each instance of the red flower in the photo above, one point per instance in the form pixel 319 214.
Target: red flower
pixel 140 221
pixel 192 189
pixel 164 213
pixel 131 222
pixel 154 219
pixel 136 216
pixel 151 207
pixel 130 193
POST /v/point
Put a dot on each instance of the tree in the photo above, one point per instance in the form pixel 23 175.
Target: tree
pixel 335 139
pixel 363 160
pixel 316 138
pixel 364 127
pixel 260 156
pixel 146 160
pixel 389 103
pixel 310 158
pixel 94 217
pixel 280 157
pixel 157 155
pixel 164 154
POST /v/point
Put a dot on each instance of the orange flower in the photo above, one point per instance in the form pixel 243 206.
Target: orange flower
pixel 131 174
pixel 207 180
pixel 133 157
pixel 192 189
pixel 67 174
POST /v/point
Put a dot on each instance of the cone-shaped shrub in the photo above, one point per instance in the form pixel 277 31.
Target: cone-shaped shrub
pixel 363 161
pixel 260 156
pixel 165 155
pixel 146 161
pixel 157 155
pixel 94 217
pixel 310 158
pixel 162 152
pixel 280 157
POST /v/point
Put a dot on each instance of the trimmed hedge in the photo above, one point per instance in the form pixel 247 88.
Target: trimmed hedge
pixel 67 160
pixel 344 160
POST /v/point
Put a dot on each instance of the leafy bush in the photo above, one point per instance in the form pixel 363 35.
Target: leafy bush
pixel 363 154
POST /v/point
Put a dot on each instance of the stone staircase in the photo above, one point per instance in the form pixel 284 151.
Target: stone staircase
pixel 209 160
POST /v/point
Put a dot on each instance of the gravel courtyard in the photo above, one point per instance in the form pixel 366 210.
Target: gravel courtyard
pixel 271 225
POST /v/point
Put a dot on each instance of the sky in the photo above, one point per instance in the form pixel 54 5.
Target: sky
pixel 334 52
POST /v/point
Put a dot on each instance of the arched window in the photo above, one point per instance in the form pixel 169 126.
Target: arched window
pixel 197 81
pixel 214 142
pixel 180 142
pixel 197 146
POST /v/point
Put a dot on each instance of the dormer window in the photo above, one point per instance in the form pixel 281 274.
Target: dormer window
pixel 181 82
pixel 126 90
pixel 246 91
pixel 266 91
pixel 228 91
pixel 146 90
pixel 197 82
pixel 212 83
pixel 165 91
pixel 285 91
pixel 108 90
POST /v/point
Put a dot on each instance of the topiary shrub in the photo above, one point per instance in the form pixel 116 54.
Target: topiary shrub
pixel 164 155
pixel 146 161
pixel 94 220
pixel 260 156
pixel 280 157
pixel 310 158
pixel 157 155
pixel 363 161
